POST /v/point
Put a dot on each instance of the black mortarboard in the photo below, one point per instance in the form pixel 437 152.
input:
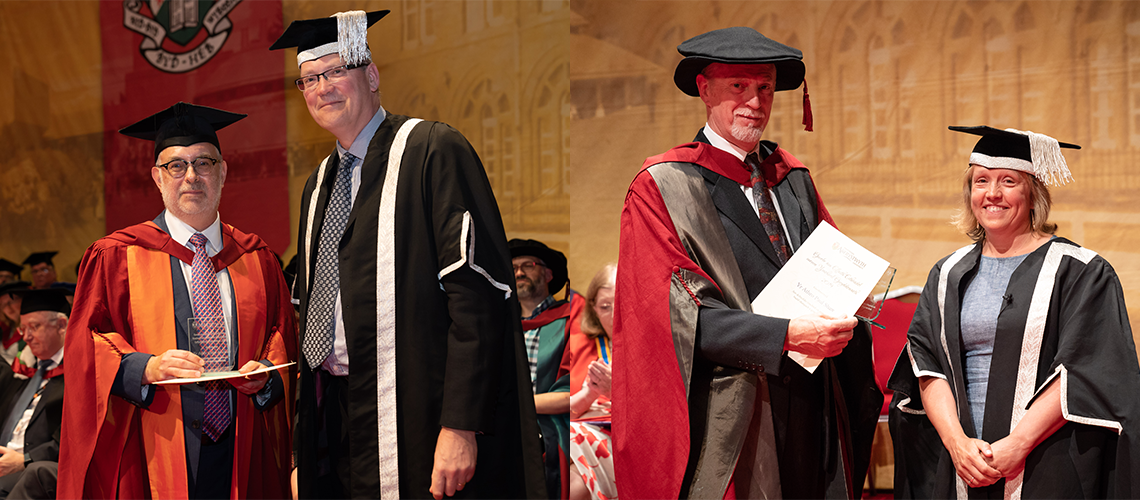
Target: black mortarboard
pixel 182 124
pixel 741 45
pixel 47 299
pixel 8 288
pixel 553 259
pixel 12 267
pixel 345 33
pixel 1037 154
pixel 737 45
pixel 40 258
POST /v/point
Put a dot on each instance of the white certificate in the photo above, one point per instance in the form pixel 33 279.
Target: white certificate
pixel 829 274
pixel 222 375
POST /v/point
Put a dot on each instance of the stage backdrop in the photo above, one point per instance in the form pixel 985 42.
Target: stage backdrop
pixel 78 71
pixel 886 79
pixel 212 53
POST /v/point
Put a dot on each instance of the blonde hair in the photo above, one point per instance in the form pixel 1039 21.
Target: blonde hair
pixel 591 326
pixel 1039 198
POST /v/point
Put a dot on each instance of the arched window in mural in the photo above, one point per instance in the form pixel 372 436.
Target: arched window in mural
pixel 1102 47
pixel 852 78
pixel 965 76
pixel 488 121
pixel 1132 72
pixel 419 106
pixel 551 115
pixel 419 22
pixel 481 14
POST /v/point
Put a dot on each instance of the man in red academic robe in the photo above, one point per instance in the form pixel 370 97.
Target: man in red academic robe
pixel 707 403
pixel 540 272
pixel 149 296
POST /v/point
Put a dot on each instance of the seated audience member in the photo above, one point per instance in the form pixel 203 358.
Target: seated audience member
pixel 9 271
pixel 43 269
pixel 31 399
pixel 540 272
pixel 590 351
pixel 10 340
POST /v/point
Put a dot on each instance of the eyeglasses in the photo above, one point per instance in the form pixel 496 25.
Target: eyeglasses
pixel 528 266
pixel 332 75
pixel 27 328
pixel 203 166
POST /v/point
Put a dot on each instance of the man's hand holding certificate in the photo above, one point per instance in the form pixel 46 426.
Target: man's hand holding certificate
pixel 829 275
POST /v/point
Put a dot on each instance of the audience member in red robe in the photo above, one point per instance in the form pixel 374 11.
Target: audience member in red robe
pixel 591 355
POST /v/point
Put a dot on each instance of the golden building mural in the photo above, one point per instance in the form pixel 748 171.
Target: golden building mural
pixel 886 79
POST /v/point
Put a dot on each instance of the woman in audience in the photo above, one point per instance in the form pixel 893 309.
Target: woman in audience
pixel 590 347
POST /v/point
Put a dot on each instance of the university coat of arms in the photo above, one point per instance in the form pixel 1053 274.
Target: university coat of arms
pixel 178 23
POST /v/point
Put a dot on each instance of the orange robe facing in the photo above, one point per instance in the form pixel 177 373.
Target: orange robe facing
pixel 124 303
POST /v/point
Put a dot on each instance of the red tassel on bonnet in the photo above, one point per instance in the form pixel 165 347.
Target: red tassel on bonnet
pixel 807 109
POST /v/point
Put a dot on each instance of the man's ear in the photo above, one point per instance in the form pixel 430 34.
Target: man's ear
pixel 702 86
pixel 373 77
pixel 549 275
pixel 156 174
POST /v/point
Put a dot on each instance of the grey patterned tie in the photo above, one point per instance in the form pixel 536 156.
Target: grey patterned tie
pixel 320 327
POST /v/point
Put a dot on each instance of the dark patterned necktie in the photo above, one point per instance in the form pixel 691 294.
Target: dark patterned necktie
pixel 211 325
pixel 767 209
pixel 22 403
pixel 320 327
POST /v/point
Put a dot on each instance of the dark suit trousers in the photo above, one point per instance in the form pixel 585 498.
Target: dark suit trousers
pixel 37 482
pixel 333 472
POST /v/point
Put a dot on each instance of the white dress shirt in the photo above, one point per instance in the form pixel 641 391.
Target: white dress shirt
pixel 337 361
pixel 17 442
pixel 722 144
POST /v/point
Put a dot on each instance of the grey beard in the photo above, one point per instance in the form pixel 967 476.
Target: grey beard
pixel 747 134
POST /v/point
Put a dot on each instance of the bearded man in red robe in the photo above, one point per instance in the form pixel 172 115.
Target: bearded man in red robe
pixel 707 403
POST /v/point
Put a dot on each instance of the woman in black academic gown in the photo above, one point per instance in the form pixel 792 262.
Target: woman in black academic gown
pixel 1020 375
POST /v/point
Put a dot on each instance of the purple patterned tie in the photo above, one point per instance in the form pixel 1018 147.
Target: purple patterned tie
pixel 767 209
pixel 207 301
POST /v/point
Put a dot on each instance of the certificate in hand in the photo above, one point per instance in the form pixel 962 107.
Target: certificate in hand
pixel 222 375
pixel 829 274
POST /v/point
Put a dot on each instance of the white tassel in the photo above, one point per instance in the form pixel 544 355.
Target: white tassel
pixel 352 35
pixel 1048 163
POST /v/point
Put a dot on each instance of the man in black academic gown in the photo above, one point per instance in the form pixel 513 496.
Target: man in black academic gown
pixel 415 381
pixel 31 399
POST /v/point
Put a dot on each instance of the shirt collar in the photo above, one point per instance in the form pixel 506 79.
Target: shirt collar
pixel 546 304
pixel 57 359
pixel 722 144
pixel 181 232
pixel 360 143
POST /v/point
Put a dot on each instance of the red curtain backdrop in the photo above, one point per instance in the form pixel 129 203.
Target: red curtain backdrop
pixel 212 53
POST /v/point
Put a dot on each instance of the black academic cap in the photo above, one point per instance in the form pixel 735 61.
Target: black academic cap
pixel 12 287
pixel 554 260
pixel 737 45
pixel 40 258
pixel 12 267
pixel 1037 154
pixel 182 124
pixel 47 299
pixel 316 38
